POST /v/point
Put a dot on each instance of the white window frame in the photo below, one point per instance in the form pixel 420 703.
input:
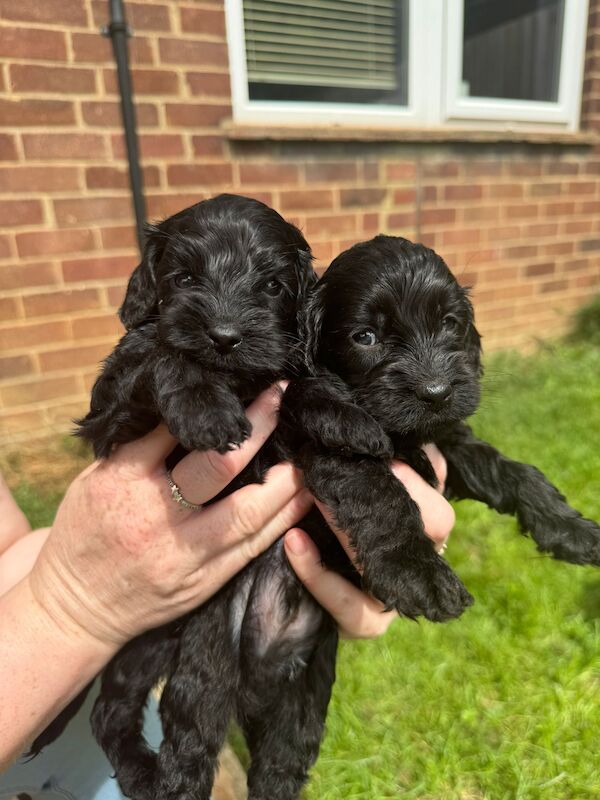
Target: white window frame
pixel 434 78
pixel 564 112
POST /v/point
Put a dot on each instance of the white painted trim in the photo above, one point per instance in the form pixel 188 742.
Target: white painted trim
pixel 565 112
pixel 435 67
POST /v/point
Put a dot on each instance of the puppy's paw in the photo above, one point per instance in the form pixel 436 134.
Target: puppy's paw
pixel 219 429
pixel 353 430
pixel 423 588
pixel 576 540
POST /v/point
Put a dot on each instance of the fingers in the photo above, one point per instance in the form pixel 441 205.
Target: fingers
pixel 143 456
pixel 438 515
pixel 357 614
pixel 438 462
pixel 202 475
pixel 254 509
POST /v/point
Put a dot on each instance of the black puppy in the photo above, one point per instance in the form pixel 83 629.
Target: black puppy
pixel 394 357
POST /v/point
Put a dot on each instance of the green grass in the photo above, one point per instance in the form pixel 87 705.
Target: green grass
pixel 502 704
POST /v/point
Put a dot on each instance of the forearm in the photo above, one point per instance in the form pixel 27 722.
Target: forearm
pixel 44 663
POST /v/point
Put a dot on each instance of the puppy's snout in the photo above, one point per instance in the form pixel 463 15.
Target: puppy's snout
pixel 437 393
pixel 225 337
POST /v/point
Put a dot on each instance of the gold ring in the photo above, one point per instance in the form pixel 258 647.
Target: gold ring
pixel 178 497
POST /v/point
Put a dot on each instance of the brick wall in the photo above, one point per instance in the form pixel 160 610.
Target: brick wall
pixel 520 223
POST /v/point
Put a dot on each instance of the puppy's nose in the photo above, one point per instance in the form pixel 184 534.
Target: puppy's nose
pixel 435 392
pixel 225 337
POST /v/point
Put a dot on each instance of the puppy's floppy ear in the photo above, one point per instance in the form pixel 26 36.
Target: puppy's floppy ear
pixel 141 299
pixel 311 325
pixel 305 274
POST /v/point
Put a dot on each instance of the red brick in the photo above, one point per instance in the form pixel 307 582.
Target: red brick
pixel 438 216
pixel 32 44
pixel 563 209
pixel 152 145
pixel 21 337
pixel 104 326
pixel 60 302
pixel 578 226
pixel 582 187
pixel 554 286
pixel 63 146
pixel 19 113
pixel 589 207
pixel 441 169
pixel 199 174
pixel 271 172
pixel 39 390
pixel 57 12
pixel 14 213
pixel 145 81
pixel 9 308
pixel 8 148
pixel 108 114
pixel 535 270
pixel 70 358
pixel 190 115
pixel 317 226
pixel 538 229
pixel 89 209
pixel 96 49
pixel 141 16
pixel 362 197
pixel 19 276
pixel 116 295
pixel 459 237
pixel 406 219
pixel 429 194
pixel 62 80
pixel 15 366
pixel 520 251
pixel 38 179
pixel 185 51
pixel 44 243
pixel 17 422
pixel 464 192
pixel 404 196
pixel 545 189
pixel 209 84
pixel 163 205
pixel 562 168
pixel 326 171
pixel 472 214
pixel 5 246
pixel 401 171
pixel 371 170
pixel 117 177
pixel 485 169
pixel 502 191
pixel 122 237
pixel 208 145
pixel 371 224
pixel 100 268
pixel 210 22
pixel 589 244
pixel 557 249
pixel 522 211
pixel 524 169
pixel 310 199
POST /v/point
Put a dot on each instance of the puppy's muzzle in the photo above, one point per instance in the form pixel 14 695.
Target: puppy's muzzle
pixel 435 393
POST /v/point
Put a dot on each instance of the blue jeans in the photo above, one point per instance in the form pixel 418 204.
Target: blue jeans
pixel 74 767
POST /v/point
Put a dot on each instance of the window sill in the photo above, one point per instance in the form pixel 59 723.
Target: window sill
pixel 335 133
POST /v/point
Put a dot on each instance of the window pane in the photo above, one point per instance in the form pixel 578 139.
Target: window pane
pixel 330 51
pixel 512 49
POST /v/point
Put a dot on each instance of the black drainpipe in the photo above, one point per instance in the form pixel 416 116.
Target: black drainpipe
pixel 118 31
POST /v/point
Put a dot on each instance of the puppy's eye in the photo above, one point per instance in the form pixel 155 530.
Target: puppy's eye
pixel 366 337
pixel 272 288
pixel 450 323
pixel 184 280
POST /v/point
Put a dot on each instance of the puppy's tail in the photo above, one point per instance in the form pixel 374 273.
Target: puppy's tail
pixel 118 715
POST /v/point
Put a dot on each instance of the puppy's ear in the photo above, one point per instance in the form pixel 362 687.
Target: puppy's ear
pixel 306 277
pixel 141 299
pixel 311 325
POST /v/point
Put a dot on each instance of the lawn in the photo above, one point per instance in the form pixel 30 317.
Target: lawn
pixel 502 704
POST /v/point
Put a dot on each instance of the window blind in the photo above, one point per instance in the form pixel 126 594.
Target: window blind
pixel 342 43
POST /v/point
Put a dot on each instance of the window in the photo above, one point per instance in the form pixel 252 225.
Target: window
pixel 457 63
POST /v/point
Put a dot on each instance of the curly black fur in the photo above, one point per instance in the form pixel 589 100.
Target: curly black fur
pixel 393 361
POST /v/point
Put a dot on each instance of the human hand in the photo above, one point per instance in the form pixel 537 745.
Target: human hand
pixel 358 614
pixel 123 557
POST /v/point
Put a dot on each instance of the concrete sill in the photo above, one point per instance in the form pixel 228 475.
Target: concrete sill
pixel 337 133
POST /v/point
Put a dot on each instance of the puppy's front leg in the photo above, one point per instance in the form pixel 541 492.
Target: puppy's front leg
pixel 400 565
pixel 199 408
pixel 478 471
pixel 321 410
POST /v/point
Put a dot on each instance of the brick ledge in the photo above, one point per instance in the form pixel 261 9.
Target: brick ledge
pixel 336 133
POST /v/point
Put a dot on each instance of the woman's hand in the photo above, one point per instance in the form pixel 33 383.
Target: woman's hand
pixel 123 556
pixel 359 615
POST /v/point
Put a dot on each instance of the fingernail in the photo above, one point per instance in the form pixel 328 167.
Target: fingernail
pixel 296 543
